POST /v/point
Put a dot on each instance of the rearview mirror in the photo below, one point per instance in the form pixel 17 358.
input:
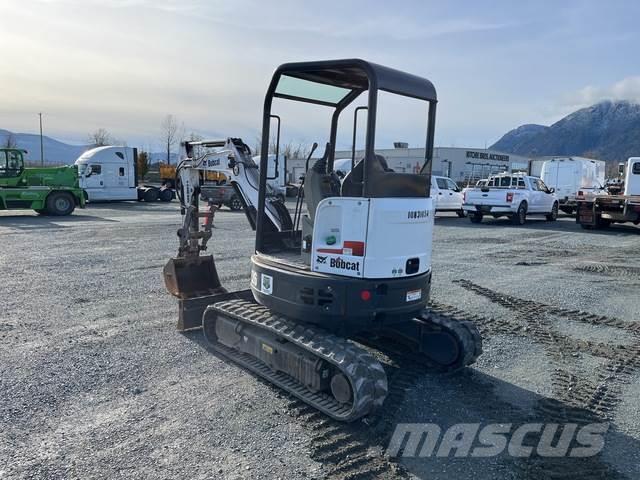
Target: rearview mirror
pixel 552 190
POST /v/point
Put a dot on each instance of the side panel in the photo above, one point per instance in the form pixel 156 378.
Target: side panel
pixel 340 236
pixel 399 237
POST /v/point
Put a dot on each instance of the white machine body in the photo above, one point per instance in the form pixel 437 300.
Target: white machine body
pixel 373 237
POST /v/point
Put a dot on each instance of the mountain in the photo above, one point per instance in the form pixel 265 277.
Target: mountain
pixel 57 152
pixel 606 130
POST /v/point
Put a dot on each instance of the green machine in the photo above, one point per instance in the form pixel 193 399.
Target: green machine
pixel 47 190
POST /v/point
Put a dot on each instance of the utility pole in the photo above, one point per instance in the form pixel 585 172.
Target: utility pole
pixel 41 142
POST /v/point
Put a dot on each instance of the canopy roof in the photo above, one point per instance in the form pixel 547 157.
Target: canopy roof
pixel 331 82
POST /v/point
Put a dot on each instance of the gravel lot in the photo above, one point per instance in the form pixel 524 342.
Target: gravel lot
pixel 96 383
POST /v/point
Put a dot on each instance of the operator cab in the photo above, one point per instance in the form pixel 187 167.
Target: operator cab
pixel 337 85
pixel 371 228
pixel 11 162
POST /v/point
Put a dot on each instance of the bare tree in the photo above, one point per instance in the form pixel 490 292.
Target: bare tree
pixel 100 138
pixel 290 149
pixel 169 134
pixel 10 141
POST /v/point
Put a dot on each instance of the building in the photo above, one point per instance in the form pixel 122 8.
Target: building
pixel 463 165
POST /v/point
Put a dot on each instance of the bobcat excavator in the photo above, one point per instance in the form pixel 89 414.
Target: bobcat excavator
pixel 354 270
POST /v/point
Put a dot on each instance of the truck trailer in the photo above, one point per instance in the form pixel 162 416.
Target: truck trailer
pixel 600 211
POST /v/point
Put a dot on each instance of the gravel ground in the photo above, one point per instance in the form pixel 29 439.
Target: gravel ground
pixel 96 383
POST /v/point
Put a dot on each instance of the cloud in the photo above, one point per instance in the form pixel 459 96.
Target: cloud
pixel 626 89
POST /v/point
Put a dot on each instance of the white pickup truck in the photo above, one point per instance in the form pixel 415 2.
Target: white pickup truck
pixel 512 195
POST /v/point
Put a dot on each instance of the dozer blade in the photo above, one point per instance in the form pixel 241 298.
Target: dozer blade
pixel 192 277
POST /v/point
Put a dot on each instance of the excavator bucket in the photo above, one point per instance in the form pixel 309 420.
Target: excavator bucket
pixel 192 277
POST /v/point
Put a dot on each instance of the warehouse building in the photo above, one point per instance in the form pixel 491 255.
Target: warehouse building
pixel 463 165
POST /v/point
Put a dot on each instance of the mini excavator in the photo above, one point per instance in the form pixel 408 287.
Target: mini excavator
pixel 348 273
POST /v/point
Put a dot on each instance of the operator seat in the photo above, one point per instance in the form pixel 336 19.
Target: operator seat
pixel 352 182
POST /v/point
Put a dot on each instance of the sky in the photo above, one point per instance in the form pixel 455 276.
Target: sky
pixel 123 65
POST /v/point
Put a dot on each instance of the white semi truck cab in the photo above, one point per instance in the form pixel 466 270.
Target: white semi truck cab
pixel 110 173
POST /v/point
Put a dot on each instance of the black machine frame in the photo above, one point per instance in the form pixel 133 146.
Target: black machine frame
pixel 357 76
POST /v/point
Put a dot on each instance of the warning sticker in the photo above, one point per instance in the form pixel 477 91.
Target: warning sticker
pixel 266 285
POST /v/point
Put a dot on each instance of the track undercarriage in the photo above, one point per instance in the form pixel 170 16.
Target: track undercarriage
pixel 343 378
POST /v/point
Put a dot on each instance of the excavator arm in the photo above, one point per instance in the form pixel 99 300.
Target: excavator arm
pixel 191 274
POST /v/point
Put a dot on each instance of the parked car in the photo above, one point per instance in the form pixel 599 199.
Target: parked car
pixel 447 195
pixel 511 195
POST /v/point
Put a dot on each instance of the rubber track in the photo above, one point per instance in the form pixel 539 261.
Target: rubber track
pixel 364 372
pixel 356 450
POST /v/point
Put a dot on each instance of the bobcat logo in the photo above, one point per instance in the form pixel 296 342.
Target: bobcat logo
pixel 321 259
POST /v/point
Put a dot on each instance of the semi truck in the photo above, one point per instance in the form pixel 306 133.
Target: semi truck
pixel 110 173
pixel 48 191
pixel 600 211
pixel 570 175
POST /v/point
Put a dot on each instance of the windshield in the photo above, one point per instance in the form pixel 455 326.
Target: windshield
pixel 305 89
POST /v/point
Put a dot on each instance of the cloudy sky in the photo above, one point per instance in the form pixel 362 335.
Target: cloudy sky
pixel 125 64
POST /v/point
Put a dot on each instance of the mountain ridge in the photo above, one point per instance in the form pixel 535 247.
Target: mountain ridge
pixel 609 130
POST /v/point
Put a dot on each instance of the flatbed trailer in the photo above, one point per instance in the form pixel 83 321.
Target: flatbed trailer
pixel 603 210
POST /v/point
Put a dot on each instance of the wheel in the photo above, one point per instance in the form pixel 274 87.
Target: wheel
pixel 151 195
pixel 475 217
pixel 166 195
pixel 461 213
pixel 60 204
pixel 553 216
pixel 235 203
pixel 520 217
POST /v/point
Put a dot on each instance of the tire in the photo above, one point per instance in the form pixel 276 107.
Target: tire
pixel 60 204
pixel 475 217
pixel 151 195
pixel 553 216
pixel 166 195
pixel 520 217
pixel 461 213
pixel 235 203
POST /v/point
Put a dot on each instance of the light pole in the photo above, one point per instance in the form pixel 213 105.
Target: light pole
pixel 41 142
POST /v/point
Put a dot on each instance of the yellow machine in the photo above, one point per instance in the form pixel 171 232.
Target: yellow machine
pixel 168 176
